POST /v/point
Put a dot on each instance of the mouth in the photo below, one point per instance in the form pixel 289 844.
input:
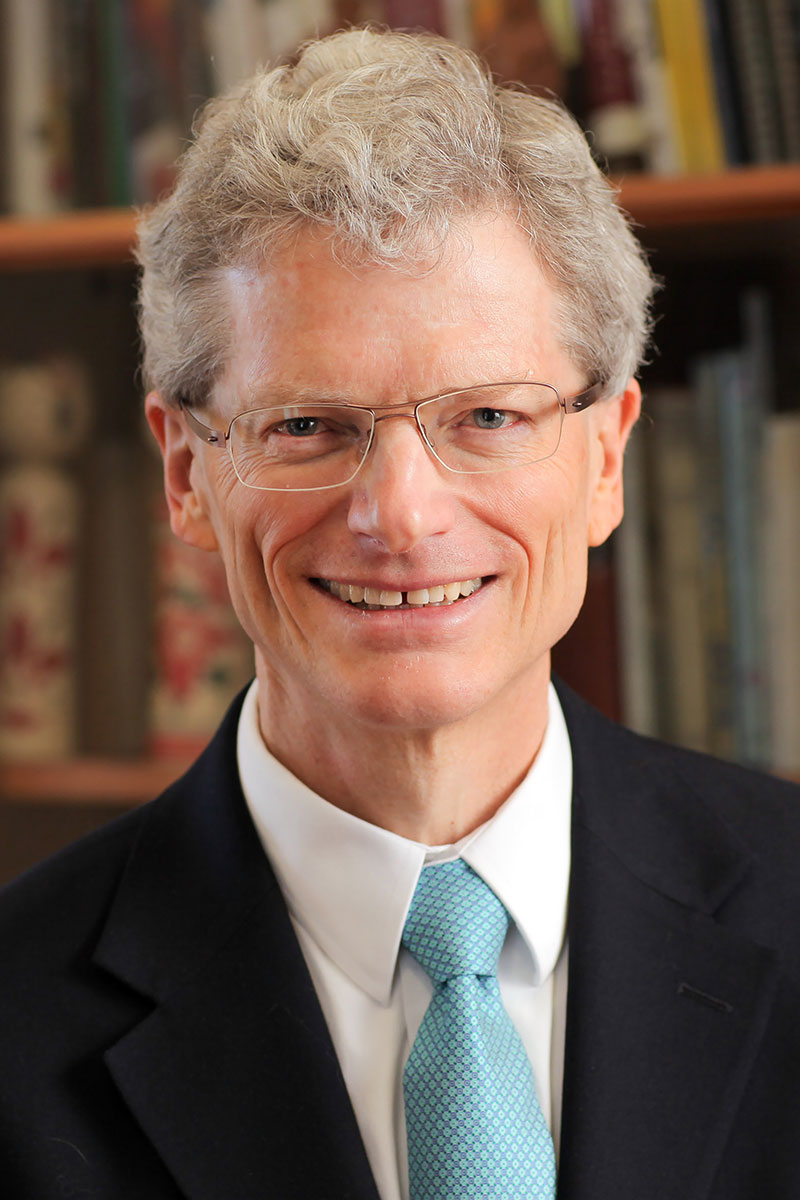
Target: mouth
pixel 372 599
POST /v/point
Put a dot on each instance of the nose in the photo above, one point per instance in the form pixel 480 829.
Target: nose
pixel 400 496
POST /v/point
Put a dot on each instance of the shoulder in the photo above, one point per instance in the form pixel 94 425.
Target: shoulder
pixel 749 797
pixel 714 835
pixel 57 906
pixel 67 897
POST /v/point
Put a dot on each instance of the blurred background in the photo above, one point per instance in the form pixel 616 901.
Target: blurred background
pixel 118 650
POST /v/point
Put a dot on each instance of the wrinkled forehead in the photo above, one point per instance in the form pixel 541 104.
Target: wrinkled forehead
pixel 480 310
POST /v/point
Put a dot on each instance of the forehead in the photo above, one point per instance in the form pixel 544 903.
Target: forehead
pixel 306 320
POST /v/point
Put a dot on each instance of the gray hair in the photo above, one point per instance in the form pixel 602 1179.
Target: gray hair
pixel 389 142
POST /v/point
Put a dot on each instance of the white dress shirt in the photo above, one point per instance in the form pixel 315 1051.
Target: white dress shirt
pixel 348 886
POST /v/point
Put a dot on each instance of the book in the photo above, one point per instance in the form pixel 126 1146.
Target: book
pixel 727 87
pixel 752 54
pixel 614 117
pixel 785 54
pixel 34 171
pixel 39 547
pixel 705 374
pixel 740 428
pixel 635 599
pixel 201 655
pixel 680 588
pixel 732 390
pixel 518 44
pixel 415 14
pixel 114 610
pixel 687 54
pixel 288 23
pixel 780 570
pixel 45 411
pixel 639 29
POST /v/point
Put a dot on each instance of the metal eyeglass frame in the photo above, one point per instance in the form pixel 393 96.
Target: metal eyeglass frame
pixel 220 438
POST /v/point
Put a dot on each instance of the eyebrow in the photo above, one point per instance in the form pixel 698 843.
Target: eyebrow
pixel 282 395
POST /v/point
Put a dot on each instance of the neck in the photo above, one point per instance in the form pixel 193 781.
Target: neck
pixel 432 786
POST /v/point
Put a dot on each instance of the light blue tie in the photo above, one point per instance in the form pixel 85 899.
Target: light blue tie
pixel 475 1128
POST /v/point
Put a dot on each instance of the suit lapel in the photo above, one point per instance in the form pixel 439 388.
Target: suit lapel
pixel 667 1005
pixel 233 1075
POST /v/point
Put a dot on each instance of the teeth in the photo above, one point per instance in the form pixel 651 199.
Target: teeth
pixel 440 593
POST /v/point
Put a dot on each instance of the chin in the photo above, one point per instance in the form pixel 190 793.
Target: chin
pixel 410 701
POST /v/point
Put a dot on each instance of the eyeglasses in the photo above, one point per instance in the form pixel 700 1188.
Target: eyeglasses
pixel 473 431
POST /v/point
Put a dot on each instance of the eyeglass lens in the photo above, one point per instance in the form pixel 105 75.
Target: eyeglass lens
pixel 486 428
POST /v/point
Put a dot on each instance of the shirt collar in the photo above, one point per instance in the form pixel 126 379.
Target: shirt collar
pixel 349 884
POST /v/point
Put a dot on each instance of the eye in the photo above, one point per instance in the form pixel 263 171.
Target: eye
pixel 299 426
pixel 491 418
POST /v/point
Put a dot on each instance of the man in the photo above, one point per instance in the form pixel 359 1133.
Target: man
pixel 391 319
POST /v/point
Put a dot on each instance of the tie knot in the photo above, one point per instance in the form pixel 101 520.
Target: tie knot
pixel 455 925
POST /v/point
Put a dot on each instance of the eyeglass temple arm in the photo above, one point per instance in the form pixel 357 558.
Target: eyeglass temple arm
pixel 584 399
pixel 214 437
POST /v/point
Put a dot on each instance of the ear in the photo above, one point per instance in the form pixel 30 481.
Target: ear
pixel 180 450
pixel 614 419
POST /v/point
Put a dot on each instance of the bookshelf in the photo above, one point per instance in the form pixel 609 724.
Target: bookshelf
pixel 743 207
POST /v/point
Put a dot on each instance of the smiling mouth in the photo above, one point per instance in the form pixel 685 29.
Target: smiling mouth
pixel 371 599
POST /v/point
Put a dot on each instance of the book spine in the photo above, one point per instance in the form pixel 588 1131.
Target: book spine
pixel 679 567
pixel 85 104
pixel 634 594
pixel 691 86
pixel 44 418
pixel 740 438
pixel 31 122
pixel 781 574
pixel 287 23
pixel 114 617
pixel 726 83
pixel 415 14
pixel 614 114
pixel 235 40
pixel 786 67
pixel 39 530
pixel 518 45
pixel 639 30
pixel 153 86
pixel 750 41
pixel 714 592
pixel 202 657
pixel 113 83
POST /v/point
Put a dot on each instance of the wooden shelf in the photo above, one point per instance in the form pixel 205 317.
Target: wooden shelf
pixel 741 196
pixel 89 781
pixel 76 239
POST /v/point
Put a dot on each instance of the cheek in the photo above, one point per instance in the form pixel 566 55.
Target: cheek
pixel 265 541
pixel 546 523
pixel 549 517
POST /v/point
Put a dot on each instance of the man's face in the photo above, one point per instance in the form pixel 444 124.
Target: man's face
pixel 373 336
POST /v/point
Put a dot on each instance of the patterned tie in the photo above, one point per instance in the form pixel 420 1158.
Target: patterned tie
pixel 475 1128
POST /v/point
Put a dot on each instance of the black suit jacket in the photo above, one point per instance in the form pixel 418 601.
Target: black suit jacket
pixel 160 1036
